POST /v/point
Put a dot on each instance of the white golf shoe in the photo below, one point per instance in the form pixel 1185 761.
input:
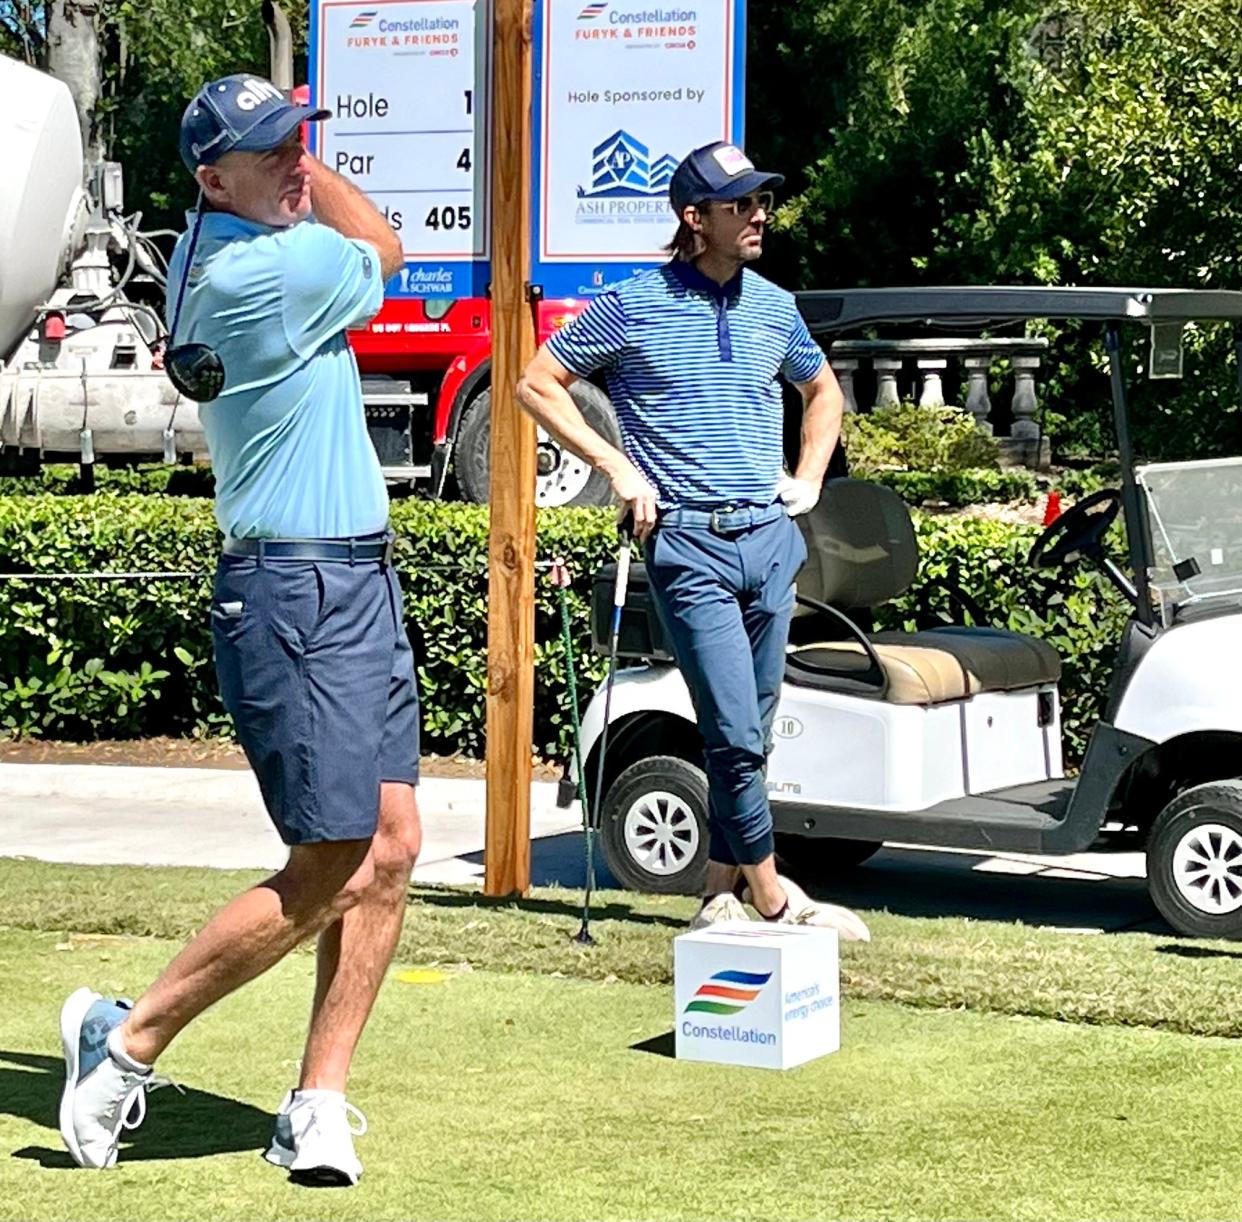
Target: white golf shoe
pixel 723 907
pixel 800 909
pixel 314 1139
pixel 100 1098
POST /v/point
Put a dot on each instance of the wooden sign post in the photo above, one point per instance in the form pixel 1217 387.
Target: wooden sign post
pixel 511 547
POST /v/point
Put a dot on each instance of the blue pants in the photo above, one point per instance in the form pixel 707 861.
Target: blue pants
pixel 726 596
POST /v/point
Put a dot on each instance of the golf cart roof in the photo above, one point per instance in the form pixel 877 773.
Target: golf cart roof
pixel 979 305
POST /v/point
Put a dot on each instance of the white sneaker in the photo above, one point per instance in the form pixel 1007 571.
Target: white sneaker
pixel 100 1098
pixel 314 1140
pixel 800 909
pixel 723 907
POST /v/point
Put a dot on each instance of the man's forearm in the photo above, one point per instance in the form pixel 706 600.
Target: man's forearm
pixel 821 430
pixel 554 409
pixel 338 204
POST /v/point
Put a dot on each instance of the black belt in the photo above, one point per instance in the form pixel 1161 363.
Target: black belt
pixel 350 551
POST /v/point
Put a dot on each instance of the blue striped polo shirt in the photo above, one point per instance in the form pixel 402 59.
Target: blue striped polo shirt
pixel 691 366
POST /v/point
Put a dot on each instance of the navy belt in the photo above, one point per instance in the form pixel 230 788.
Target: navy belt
pixel 349 551
pixel 724 519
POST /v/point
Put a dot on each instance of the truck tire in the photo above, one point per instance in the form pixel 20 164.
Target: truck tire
pixel 1194 861
pixel 653 826
pixel 562 478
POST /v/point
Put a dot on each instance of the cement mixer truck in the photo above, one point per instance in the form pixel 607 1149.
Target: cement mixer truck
pixel 80 374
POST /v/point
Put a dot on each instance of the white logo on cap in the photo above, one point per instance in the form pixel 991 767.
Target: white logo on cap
pixel 255 93
pixel 732 160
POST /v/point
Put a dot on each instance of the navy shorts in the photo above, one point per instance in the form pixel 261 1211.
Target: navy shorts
pixel 316 670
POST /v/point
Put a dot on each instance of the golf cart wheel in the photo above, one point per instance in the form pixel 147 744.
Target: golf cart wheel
pixel 561 478
pixel 654 826
pixel 1194 861
pixel 822 858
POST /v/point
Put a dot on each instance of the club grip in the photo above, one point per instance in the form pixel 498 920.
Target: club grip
pixel 623 579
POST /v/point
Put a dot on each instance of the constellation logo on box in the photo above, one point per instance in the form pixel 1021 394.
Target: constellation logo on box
pixel 728 992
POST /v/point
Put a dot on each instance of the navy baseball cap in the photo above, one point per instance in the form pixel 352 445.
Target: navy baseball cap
pixel 716 171
pixel 242 112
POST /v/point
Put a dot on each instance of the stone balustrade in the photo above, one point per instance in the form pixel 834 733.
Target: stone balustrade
pixel 894 370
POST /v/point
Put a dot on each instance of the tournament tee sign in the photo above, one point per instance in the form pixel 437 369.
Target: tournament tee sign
pixel 623 90
pixel 408 85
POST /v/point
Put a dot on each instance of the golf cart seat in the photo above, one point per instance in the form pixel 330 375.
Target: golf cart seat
pixel 861 552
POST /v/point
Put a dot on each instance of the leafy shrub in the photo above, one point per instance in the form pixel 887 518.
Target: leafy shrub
pixel 912 438
pixel 931 454
pixel 958 488
pixel 121 658
pixel 64 479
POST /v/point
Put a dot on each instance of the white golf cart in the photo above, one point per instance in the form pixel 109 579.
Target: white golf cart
pixel 951 736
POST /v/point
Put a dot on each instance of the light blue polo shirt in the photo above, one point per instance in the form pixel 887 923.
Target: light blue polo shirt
pixel 288 439
pixel 692 366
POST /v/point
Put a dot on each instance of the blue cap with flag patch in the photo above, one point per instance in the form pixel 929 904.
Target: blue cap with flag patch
pixel 242 112
pixel 716 171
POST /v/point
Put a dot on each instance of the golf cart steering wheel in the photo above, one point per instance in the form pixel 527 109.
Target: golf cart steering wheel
pixel 1080 529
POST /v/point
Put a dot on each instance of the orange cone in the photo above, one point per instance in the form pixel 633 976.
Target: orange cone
pixel 1052 510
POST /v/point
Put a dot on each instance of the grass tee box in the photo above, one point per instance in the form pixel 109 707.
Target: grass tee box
pixel 764 997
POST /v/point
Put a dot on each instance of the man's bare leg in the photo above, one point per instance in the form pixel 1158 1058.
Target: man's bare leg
pixel 720 878
pixel 354 952
pixel 766 891
pixel 770 894
pixel 246 937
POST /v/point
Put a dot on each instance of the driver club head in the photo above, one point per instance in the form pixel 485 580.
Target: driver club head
pixel 195 370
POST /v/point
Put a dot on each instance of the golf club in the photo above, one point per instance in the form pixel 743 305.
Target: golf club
pixel 626 530
pixel 194 369
pixel 561 579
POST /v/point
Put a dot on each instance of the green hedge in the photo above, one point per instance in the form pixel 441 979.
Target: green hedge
pixel 65 479
pixel 90 659
pixel 972 486
pixel 940 484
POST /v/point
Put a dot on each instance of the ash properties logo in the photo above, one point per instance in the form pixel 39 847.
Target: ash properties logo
pixel 622 167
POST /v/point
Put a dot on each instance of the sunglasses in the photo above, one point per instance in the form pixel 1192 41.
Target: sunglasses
pixel 748 205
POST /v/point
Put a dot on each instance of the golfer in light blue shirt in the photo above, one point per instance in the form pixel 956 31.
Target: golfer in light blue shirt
pixel 311 651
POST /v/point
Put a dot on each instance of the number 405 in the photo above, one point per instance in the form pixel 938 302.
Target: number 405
pixel 448 216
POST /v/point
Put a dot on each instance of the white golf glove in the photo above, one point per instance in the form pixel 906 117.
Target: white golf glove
pixel 797 495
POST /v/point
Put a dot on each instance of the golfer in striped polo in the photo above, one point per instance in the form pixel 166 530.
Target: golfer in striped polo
pixel 691 352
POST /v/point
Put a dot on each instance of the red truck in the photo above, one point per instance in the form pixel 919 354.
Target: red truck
pixel 426 382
